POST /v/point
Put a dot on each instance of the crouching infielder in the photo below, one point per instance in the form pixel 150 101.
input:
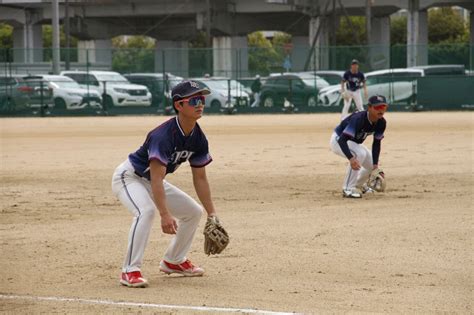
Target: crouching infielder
pixel 347 140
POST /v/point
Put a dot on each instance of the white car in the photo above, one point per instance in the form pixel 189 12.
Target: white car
pixel 220 97
pixel 68 94
pixel 118 90
pixel 398 85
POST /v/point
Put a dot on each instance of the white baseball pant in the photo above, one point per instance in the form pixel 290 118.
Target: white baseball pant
pixel 357 97
pixel 135 193
pixel 354 178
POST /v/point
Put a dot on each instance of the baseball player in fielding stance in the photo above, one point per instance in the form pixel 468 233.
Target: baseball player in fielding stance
pixel 139 183
pixel 352 81
pixel 347 140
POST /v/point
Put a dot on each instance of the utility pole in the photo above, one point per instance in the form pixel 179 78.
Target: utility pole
pixel 368 20
pixel 55 25
pixel 66 31
pixel 368 27
pixel 208 37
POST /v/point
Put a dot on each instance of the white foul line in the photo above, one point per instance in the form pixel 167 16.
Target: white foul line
pixel 150 305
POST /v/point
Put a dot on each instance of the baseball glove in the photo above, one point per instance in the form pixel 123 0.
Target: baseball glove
pixel 377 180
pixel 345 95
pixel 216 238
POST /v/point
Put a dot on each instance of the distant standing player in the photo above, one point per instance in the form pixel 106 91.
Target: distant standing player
pixel 139 182
pixel 352 81
pixel 347 140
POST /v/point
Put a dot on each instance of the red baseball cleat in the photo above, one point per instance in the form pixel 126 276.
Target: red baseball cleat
pixel 133 279
pixel 186 269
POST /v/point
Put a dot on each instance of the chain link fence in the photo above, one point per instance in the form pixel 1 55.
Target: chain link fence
pixel 250 80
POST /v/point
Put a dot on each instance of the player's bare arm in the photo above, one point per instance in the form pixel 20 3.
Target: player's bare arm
pixel 355 165
pixel 157 174
pixel 201 184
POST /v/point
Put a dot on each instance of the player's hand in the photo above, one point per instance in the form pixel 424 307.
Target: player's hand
pixel 354 164
pixel 168 224
pixel 375 167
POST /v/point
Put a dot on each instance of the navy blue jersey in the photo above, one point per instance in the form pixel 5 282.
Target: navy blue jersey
pixel 353 80
pixel 357 127
pixel 168 145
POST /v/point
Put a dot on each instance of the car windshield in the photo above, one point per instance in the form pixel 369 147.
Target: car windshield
pixel 67 84
pixel 310 81
pixel 236 85
pixel 217 84
pixel 174 81
pixel 112 78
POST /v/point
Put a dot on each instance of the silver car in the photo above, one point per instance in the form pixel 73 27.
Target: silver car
pixel 220 96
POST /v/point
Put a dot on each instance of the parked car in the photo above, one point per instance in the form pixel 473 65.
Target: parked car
pixel 220 97
pixel 331 77
pixel 117 89
pixel 159 88
pixel 296 88
pixel 433 70
pixel 20 92
pixel 14 93
pixel 68 94
pixel 398 85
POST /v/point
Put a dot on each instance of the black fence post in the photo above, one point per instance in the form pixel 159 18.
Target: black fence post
pixel 229 98
pixel 290 96
pixel 104 99
pixel 41 99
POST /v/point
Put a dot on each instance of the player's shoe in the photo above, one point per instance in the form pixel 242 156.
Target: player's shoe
pixel 133 279
pixel 186 269
pixel 367 190
pixel 352 193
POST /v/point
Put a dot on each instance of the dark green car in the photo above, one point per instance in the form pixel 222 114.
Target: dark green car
pixel 297 89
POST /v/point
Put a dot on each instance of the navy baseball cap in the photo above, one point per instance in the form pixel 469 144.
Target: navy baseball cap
pixel 377 100
pixel 188 88
pixel 354 62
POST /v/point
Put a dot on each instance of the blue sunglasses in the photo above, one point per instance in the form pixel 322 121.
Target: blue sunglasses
pixel 195 100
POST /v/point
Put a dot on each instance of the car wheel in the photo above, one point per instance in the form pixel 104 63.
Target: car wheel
pixel 109 102
pixel 268 101
pixel 59 103
pixel 215 104
pixel 312 101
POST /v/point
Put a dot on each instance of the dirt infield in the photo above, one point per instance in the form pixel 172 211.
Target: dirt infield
pixel 296 244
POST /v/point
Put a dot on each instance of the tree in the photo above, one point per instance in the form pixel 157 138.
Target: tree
pixel 263 57
pixel 6 36
pixel 48 42
pixel 200 56
pixel 398 30
pixel 345 32
pixel 266 56
pixel 133 54
pixel 280 39
pixel 6 41
pixel 446 26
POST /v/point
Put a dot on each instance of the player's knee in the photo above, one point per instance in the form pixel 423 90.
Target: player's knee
pixel 196 212
pixel 361 156
pixel 148 213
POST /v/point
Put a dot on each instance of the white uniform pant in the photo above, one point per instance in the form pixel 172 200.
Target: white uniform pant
pixel 256 101
pixel 135 193
pixel 354 178
pixel 357 97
